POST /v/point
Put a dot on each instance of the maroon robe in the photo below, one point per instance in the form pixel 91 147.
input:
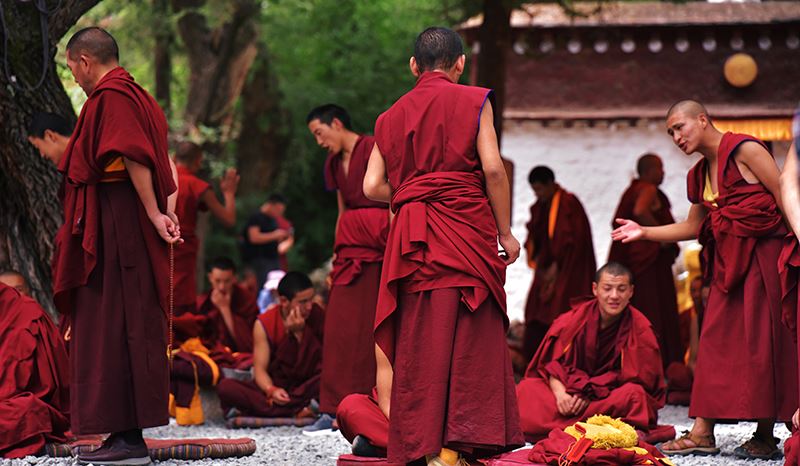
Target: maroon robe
pixel 110 267
pixel 572 251
pixel 294 366
pixel 191 189
pixel 441 298
pixel 742 328
pixel 349 362
pixel 215 335
pixel 618 370
pixel 34 384
pixel 360 414
pixel 651 265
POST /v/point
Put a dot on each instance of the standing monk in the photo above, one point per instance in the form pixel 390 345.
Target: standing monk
pixel 111 260
pixel 651 261
pixel 441 299
pixel 348 365
pixel 194 195
pixel 560 249
pixel 735 196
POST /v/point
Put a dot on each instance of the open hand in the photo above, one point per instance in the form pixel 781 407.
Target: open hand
pixel 229 182
pixel 628 231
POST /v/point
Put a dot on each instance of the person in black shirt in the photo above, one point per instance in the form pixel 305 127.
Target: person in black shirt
pixel 261 236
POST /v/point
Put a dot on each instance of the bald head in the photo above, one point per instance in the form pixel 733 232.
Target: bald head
pixel 690 108
pixel 15 280
pixel 188 153
pixel 96 43
pixel 437 48
pixel 650 168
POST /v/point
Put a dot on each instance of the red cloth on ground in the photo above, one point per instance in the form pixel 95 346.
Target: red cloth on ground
pixel 118 118
pixel 294 366
pixel 189 203
pixel 742 327
pixel 218 338
pixel 791 450
pixel 360 415
pixel 620 372
pixel 572 251
pixel 349 361
pixel 34 383
pixel 442 280
pixel 549 450
pixel 651 264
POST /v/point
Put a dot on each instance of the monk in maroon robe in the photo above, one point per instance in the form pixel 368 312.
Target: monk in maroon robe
pixel 111 259
pixel 560 249
pixel 601 357
pixel 650 261
pixel 196 195
pixel 735 214
pixel 361 229
pixel 287 356
pixel 34 383
pixel 441 299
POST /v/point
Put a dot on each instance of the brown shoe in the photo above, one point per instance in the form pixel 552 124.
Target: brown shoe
pixel 758 448
pixel 116 451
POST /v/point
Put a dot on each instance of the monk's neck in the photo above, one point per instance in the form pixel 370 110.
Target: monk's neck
pixel 710 145
pixel 350 140
pixel 102 72
pixel 607 321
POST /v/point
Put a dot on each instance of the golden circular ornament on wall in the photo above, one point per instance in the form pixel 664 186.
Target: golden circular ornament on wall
pixel 740 70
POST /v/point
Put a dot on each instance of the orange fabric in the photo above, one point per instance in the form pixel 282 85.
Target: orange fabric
pixel 551 218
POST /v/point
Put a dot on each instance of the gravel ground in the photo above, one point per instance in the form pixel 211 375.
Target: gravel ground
pixel 287 445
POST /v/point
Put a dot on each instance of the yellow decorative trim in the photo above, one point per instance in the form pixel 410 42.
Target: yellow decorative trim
pixel 767 129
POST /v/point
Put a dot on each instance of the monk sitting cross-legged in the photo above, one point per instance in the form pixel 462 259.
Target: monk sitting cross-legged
pixel 601 357
pixel 287 356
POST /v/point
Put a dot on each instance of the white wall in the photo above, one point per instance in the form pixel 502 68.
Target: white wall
pixel 596 164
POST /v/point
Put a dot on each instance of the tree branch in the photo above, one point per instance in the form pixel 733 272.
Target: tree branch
pixel 66 16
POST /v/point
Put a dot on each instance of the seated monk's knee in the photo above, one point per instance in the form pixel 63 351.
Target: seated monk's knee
pixel 349 404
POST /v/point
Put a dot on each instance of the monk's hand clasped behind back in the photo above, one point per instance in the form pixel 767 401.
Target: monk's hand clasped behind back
pixel 628 231
pixel 167 228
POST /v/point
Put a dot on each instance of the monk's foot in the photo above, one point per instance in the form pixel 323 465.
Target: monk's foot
pixel 119 449
pixel 759 448
pixel 690 444
pixel 362 447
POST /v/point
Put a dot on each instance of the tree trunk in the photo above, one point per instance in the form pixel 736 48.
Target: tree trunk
pixel 264 134
pixel 161 54
pixel 30 213
pixel 494 37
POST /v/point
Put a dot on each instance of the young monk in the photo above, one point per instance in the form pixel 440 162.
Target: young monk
pixel 15 280
pixel 287 356
pixel 560 249
pixel 49 134
pixel 735 215
pixel 34 382
pixel 361 229
pixel 601 357
pixel 650 261
pixel 196 195
pixel 441 299
pixel 111 259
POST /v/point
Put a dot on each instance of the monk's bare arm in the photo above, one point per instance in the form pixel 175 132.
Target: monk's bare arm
pixel 376 186
pixel 642 210
pixel 255 236
pixel 761 166
pixel 681 231
pixel 172 200
pixel 225 213
pixel 497 188
pixel 790 190
pixel 384 375
pixel 142 179
pixel 261 358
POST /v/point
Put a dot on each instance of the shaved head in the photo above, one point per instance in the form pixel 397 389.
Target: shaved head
pixel 188 153
pixel 647 162
pixel 94 42
pixel 690 108
pixel 437 48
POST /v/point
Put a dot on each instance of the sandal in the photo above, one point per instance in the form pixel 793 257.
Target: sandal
pixel 691 444
pixel 759 448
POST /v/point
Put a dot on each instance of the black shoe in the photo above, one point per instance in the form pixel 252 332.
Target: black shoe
pixel 116 450
pixel 362 447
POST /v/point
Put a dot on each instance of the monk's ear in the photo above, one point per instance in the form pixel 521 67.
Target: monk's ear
pixel 412 63
pixel 594 289
pixel 50 135
pixel 460 64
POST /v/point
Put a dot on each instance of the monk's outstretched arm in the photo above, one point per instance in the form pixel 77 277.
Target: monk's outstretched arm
pixel 142 179
pixel 376 186
pixel 497 188
pixel 790 190
pixel 225 213
pixel 261 358
pixel 681 231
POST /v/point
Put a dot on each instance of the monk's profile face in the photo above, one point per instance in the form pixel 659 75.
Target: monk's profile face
pixel 686 130
pixel 48 146
pixel 655 174
pixel 544 191
pixel 16 281
pixel 613 292
pixel 221 280
pixel 328 136
pixel 81 68
pixel 303 300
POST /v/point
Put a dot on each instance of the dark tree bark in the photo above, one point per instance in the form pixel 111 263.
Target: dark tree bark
pixel 495 38
pixel 264 134
pixel 30 212
pixel 162 56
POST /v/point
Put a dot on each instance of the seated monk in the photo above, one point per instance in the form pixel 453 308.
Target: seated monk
pixel 34 382
pixel 602 357
pixel 216 338
pixel 287 356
